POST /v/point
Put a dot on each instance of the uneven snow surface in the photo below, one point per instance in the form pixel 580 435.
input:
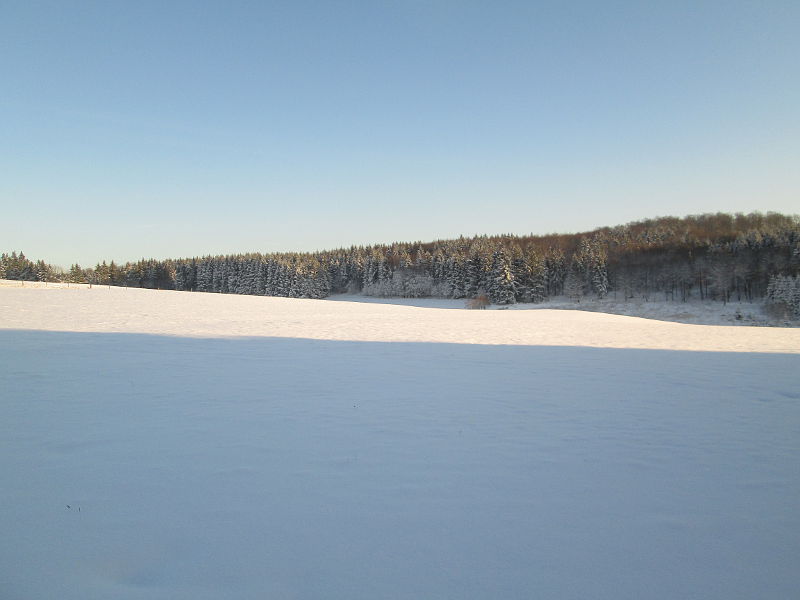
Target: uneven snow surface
pixel 167 445
pixel 122 310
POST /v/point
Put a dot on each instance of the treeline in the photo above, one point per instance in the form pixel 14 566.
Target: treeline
pixel 19 267
pixel 709 256
pixel 149 273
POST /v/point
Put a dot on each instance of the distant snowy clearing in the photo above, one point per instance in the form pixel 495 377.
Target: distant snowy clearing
pixel 163 445
pixel 694 312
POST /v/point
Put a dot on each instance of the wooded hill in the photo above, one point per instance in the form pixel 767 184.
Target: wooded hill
pixel 708 256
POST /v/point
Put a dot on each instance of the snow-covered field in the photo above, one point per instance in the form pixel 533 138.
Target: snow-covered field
pixel 174 445
pixel 694 312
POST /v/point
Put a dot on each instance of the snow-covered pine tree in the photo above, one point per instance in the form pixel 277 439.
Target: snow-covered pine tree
pixel 600 279
pixel 271 277
pixel 180 277
pixel 537 276
pixel 422 260
pixel 76 274
pixel 42 271
pixel 557 268
pixel 260 280
pixel 784 291
pixel 476 273
pixel 521 274
pixel 573 285
pixel 456 276
pixel 205 275
pixel 501 281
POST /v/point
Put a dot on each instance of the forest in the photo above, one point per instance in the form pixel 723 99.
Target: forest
pixel 720 257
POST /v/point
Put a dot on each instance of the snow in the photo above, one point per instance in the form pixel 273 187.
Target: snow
pixel 123 310
pixel 694 311
pixel 174 445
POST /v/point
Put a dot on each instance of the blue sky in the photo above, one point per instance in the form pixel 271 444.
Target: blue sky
pixel 171 129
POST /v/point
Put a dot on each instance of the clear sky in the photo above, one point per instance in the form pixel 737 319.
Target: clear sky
pixel 170 129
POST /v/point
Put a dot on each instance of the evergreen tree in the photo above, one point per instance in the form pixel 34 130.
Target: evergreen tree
pixel 501 281
pixel 573 286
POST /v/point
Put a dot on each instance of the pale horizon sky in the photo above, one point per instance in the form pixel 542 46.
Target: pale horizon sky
pixel 174 129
